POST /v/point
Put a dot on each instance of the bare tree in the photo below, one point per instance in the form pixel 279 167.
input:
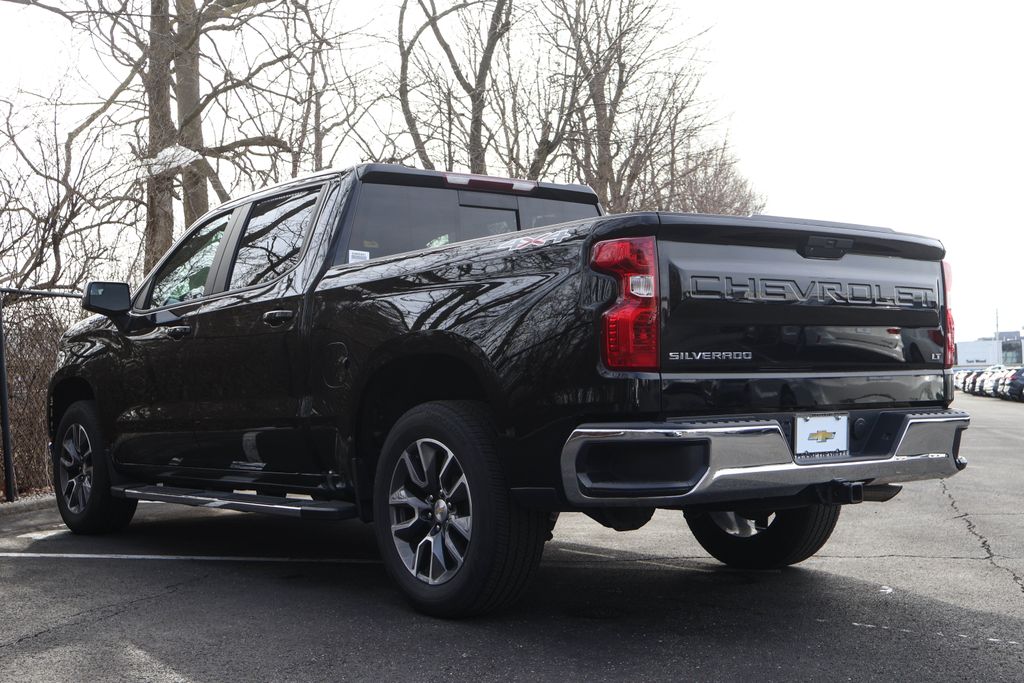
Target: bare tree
pixel 303 110
pixel 537 90
pixel 64 200
pixel 714 186
pixel 251 91
pixel 174 66
pixel 444 101
pixel 638 106
pixel 585 91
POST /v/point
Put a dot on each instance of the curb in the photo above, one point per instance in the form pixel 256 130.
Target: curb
pixel 27 504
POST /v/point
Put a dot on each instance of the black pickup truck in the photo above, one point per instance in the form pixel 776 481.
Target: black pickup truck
pixel 459 358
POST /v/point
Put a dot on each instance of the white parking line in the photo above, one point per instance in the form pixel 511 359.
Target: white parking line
pixel 584 552
pixel 43 535
pixel 184 558
pixel 653 563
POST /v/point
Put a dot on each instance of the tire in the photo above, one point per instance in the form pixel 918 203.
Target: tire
pixel 439 460
pixel 81 475
pixel 791 536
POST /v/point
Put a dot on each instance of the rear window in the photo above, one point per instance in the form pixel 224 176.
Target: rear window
pixel 394 219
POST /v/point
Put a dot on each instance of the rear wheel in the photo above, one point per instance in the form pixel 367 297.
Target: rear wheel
pixel 764 541
pixel 448 531
pixel 81 478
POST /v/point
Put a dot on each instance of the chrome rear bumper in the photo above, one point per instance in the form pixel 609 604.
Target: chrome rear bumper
pixel 748 459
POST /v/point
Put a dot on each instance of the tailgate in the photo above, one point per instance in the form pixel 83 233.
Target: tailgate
pixel 794 301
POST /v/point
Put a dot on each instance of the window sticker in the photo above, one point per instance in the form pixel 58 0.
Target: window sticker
pixel 355 256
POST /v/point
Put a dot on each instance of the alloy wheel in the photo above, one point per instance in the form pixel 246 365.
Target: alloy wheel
pixel 75 468
pixel 431 511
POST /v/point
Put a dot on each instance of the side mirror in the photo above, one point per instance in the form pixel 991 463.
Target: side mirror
pixel 107 298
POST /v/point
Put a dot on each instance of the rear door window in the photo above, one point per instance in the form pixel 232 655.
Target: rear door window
pixel 273 237
pixel 394 219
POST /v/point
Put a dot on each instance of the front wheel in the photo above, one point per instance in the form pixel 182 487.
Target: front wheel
pixel 81 478
pixel 766 540
pixel 448 531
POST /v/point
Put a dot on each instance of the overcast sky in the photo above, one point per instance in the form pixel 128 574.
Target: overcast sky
pixel 902 114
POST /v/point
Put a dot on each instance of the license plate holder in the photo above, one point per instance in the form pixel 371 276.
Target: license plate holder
pixel 821 437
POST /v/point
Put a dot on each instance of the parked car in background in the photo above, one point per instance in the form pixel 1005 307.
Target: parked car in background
pixel 960 378
pixel 1015 387
pixel 977 381
pixel 999 381
pixel 1003 385
pixel 983 384
pixel 992 381
pixel 973 382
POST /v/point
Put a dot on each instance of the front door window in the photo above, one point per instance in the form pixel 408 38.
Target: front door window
pixel 183 276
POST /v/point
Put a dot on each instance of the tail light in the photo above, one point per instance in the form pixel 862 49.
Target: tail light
pixel 947 288
pixel 630 326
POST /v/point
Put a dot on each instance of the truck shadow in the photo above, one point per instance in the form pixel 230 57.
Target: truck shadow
pixel 591 613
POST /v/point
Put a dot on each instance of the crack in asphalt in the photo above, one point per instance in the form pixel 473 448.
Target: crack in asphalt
pixel 102 613
pixel 972 529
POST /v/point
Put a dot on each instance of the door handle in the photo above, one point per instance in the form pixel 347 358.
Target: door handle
pixel 178 331
pixel 275 318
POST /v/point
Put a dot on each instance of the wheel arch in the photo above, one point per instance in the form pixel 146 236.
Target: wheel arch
pixel 415 369
pixel 63 392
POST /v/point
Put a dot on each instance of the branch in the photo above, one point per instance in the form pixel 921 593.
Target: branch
pixel 49 8
pixel 218 186
pixel 432 19
pixel 258 141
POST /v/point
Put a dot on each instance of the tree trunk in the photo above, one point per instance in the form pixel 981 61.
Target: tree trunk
pixel 159 188
pixel 477 153
pixel 603 178
pixel 404 100
pixel 195 197
pixel 318 132
pixel 499 26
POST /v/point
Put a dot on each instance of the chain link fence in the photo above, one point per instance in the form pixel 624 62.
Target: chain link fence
pixel 32 328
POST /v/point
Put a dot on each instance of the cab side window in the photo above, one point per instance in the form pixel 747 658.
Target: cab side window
pixel 273 237
pixel 183 276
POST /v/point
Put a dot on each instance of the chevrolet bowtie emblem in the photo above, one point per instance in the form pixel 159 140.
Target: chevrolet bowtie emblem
pixel 821 436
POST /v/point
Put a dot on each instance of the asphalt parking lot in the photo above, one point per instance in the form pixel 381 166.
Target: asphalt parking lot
pixel 927 586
